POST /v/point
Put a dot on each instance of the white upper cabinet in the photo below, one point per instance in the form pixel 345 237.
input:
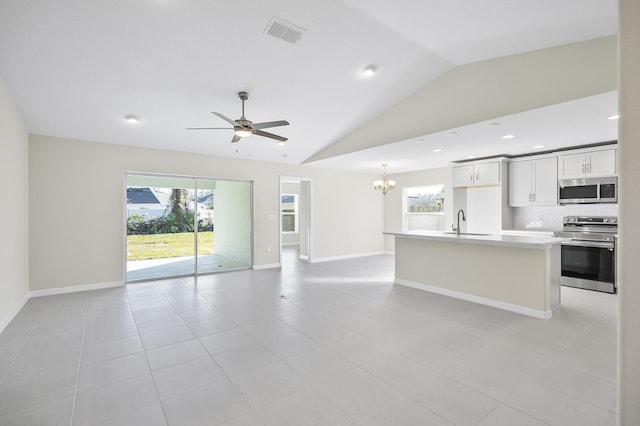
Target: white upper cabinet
pixel 533 182
pixel 587 164
pixel 481 174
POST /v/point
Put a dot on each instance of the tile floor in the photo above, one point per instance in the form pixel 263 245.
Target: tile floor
pixel 331 343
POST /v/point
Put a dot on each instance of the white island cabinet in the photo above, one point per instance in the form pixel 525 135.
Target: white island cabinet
pixel 511 272
pixel 533 182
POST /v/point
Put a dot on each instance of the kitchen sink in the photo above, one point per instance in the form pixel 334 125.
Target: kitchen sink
pixel 465 233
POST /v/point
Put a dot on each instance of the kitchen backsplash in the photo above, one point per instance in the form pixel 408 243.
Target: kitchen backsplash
pixel 550 218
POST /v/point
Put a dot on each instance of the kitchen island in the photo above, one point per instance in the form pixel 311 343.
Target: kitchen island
pixel 511 272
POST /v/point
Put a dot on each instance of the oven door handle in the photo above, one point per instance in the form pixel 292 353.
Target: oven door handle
pixel 595 244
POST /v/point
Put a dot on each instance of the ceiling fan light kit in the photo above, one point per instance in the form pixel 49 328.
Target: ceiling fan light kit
pixel 243 127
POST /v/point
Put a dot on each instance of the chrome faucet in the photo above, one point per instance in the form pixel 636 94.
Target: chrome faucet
pixel 464 219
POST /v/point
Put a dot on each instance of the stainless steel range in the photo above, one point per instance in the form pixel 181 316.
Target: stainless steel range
pixel 589 256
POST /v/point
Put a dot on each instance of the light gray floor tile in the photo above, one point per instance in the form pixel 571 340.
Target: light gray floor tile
pixel 175 354
pixel 269 383
pixel 167 336
pixel 307 407
pixel 34 389
pixel 104 373
pixel 147 416
pixel 53 413
pixel 211 405
pixel 227 340
pixel 420 357
pixel 115 400
pixel 111 349
pixel 244 358
pixel 508 416
pixel 402 411
pixel 212 326
pixel 356 392
pixel 453 401
pixel 558 408
pixel 186 377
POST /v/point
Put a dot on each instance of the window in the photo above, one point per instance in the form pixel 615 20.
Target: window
pixel 289 209
pixel 423 208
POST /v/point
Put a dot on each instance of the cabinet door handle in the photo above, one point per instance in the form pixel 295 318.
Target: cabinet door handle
pixel 471 177
pixel 583 169
pixel 477 176
pixel 533 197
pixel 589 168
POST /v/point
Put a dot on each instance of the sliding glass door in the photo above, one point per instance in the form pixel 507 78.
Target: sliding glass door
pixel 181 226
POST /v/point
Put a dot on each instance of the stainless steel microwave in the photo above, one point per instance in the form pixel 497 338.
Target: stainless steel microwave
pixel 588 191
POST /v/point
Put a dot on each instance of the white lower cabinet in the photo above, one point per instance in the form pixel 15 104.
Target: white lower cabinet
pixel 533 182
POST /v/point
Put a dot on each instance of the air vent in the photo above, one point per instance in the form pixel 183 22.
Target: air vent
pixel 284 30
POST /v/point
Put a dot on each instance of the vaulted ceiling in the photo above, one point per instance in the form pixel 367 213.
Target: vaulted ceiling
pixel 75 68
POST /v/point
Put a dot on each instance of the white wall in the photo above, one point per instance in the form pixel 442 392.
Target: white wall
pixel 14 214
pixel 71 247
pixel 393 199
pixel 629 242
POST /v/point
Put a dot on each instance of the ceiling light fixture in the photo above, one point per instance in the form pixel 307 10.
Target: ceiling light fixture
pixel 538 146
pixel 131 118
pixel 452 133
pixel 420 141
pixel 438 150
pixel 280 143
pixel 470 157
pixel 509 136
pixel 243 132
pixel 384 184
pixel 613 117
pixel 369 70
pixel 495 123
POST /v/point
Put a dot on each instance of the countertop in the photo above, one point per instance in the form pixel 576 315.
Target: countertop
pixel 523 241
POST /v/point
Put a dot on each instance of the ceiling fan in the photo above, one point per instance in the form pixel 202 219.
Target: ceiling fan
pixel 243 127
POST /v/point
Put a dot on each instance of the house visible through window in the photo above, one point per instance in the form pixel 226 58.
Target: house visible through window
pixel 289 207
pixel 423 208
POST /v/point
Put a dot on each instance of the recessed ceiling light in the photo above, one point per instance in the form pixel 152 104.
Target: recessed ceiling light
pixel 471 156
pixel 613 117
pixel 509 136
pixel 452 133
pixel 131 118
pixel 369 70
pixel 420 141
pixel 538 146
pixel 280 143
pixel 438 150
pixel 495 123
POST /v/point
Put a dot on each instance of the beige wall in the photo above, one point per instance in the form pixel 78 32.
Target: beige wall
pixel 629 243
pixel 488 89
pixel 77 224
pixel 393 199
pixel 14 214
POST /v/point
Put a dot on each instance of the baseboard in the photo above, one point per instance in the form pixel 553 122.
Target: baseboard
pixel 305 258
pixel 346 257
pixel 75 288
pixel 267 266
pixel 477 299
pixel 389 252
pixel 12 313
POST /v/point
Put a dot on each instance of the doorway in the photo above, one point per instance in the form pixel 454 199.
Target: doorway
pixel 183 226
pixel 295 219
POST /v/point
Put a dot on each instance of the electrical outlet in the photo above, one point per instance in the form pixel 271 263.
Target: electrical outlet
pixel 269 248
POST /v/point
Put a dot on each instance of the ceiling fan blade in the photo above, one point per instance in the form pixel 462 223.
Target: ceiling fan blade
pixel 270 124
pixel 225 118
pixel 209 128
pixel 269 135
pixel 235 139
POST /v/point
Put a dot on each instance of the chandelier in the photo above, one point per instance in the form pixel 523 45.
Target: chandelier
pixel 385 184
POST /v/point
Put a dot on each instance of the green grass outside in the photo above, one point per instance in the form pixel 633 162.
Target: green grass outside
pixel 162 246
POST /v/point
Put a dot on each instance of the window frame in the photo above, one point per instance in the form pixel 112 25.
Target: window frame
pixel 294 213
